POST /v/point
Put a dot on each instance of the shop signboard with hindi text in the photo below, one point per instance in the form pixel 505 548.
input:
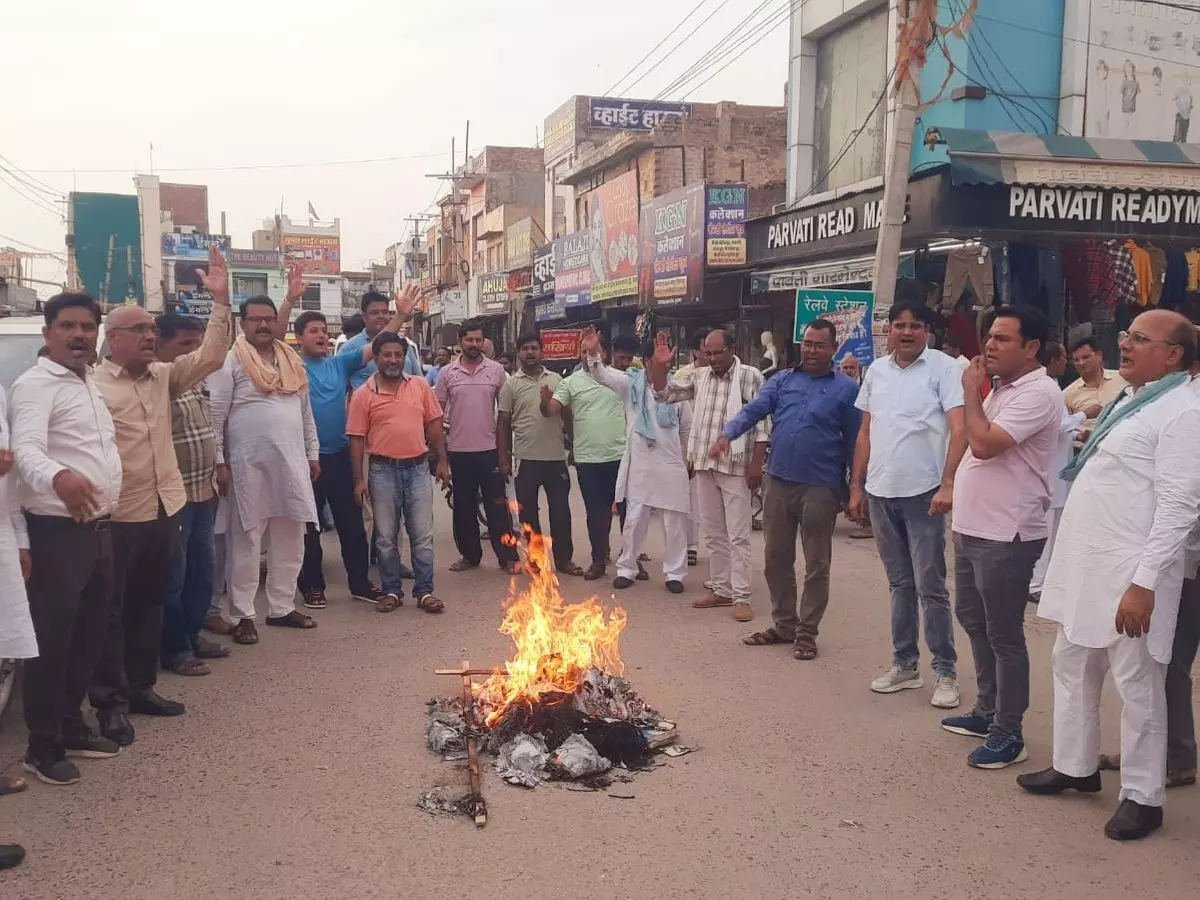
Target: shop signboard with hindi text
pixel 543 271
pixel 454 305
pixel 560 344
pixel 725 225
pixel 849 311
pixel 613 237
pixel 317 254
pixel 632 115
pixel 193 245
pixel 572 270
pixel 672 252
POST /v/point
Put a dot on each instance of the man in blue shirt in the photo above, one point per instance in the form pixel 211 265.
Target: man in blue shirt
pixel 441 358
pixel 815 425
pixel 328 380
pixel 376 310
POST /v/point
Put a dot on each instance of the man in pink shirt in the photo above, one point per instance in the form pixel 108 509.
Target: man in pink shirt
pixel 468 389
pixel 1001 494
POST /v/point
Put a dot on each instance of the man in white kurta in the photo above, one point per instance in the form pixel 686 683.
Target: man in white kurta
pixel 267 452
pixel 1114 580
pixel 653 475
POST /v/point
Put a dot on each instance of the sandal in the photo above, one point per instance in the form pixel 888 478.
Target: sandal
pixel 388 602
pixel 862 534
pixel 206 649
pixel 430 604
pixel 765 638
pixel 244 632
pixel 1182 778
pixel 293 619
pixel 190 666
pixel 805 647
pixel 11 785
pixel 570 569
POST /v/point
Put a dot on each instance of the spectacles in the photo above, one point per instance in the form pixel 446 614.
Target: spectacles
pixel 143 329
pixel 259 320
pixel 814 345
pixel 1141 340
pixel 908 326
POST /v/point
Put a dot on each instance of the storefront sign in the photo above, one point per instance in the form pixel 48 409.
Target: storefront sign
pixel 252 259
pixel 194 303
pixel 518 243
pixel 493 292
pixel 673 246
pixel 1094 205
pixel 558 135
pixel 192 246
pixel 613 237
pixel 572 270
pixel 520 281
pixel 316 254
pixel 559 344
pixel 632 115
pixel 725 225
pixel 454 305
pixel 543 271
pixel 822 226
pixel 817 275
pixel 849 311
pixel 549 309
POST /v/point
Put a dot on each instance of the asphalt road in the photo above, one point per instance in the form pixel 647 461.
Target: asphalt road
pixel 295 773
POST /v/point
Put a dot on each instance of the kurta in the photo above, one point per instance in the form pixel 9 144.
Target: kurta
pixel 267 440
pixel 17 640
pixel 653 475
pixel 1127 521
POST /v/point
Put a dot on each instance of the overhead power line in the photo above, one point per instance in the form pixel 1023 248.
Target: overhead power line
pixel 678 44
pixel 616 84
pixel 249 166
pixel 766 32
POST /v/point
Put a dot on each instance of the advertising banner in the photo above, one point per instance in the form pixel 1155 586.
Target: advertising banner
pixel 559 344
pixel 493 293
pixel 518 244
pixel 194 303
pixel 543 271
pixel 673 246
pixel 252 259
pixel 725 225
pixel 849 311
pixel 613 237
pixel 454 306
pixel 192 246
pixel 317 254
pixel 558 135
pixel 549 309
pixel 572 270
pixel 632 115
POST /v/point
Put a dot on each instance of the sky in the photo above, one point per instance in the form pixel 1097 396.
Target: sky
pixel 293 93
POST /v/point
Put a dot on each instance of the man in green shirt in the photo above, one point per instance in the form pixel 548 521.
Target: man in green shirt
pixel 595 417
pixel 536 442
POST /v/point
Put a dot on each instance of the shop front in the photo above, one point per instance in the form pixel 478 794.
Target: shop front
pixel 493 306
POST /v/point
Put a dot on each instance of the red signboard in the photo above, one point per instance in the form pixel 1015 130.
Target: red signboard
pixel 560 344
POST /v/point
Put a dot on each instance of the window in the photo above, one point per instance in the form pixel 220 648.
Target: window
pixel 248 286
pixel 851 75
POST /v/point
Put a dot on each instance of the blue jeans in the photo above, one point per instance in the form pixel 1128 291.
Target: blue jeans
pixel 912 545
pixel 402 492
pixel 191 589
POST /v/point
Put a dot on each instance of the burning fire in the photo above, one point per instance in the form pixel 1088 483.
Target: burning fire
pixel 555 642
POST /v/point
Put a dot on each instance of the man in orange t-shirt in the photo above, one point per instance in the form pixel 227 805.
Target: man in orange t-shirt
pixel 396 420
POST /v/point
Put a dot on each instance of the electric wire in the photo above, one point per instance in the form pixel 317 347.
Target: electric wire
pixel 616 84
pixel 767 33
pixel 249 167
pixel 678 44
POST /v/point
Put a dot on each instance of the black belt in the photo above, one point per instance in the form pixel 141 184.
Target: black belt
pixel 389 461
pixel 101 524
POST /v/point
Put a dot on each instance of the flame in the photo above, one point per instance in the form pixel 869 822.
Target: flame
pixel 555 642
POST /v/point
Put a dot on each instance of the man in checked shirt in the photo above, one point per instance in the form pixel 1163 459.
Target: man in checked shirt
pixel 719 392
pixel 184 651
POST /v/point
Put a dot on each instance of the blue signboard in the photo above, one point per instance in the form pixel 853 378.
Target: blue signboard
pixel 850 313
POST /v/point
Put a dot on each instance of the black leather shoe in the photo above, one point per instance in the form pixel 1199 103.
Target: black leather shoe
pixel 1052 781
pixel 11 855
pixel 115 726
pixel 150 704
pixel 1132 821
pixel 621 582
pixel 675 587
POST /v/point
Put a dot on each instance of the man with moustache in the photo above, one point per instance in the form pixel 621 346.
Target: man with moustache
pixel 65 450
pixel 267 459
pixel 138 390
pixel 377 316
pixel 1118 568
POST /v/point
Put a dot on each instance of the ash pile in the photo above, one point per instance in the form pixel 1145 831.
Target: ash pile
pixel 595 735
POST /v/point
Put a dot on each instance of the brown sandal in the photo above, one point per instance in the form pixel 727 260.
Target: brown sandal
pixel 293 619
pixel 190 666
pixel 244 632
pixel 805 647
pixel 388 602
pixel 765 638
pixel 430 604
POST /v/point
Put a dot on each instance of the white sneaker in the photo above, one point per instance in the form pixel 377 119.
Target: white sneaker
pixel 897 678
pixel 945 693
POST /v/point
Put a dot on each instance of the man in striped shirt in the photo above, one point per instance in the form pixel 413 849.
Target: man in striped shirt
pixel 718 393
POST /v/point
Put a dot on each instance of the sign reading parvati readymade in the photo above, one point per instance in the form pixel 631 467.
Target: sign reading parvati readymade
pixel 831 223
pixel 849 311
pixel 1096 205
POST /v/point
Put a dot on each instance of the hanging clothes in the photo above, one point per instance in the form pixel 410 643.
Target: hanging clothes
pixel 1037 280
pixel 968 265
pixel 1193 264
pixel 1141 270
pixel 1158 270
pixel 1175 281
pixel 1075 274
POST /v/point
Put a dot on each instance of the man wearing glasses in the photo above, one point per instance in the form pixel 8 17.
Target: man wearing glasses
pixel 909 445
pixel 138 390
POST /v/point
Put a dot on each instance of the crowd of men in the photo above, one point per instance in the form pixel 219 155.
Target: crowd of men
pixel 167 469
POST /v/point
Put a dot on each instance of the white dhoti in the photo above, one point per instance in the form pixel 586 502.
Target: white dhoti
pixel 675 537
pixel 1141 681
pixel 724 515
pixel 1053 517
pixel 285 556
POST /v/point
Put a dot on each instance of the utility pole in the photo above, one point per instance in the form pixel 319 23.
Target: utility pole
pixel 898 161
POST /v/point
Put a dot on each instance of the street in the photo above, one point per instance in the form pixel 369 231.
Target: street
pixel 295 772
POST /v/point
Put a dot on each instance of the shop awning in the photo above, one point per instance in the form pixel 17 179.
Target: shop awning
pixel 1005 157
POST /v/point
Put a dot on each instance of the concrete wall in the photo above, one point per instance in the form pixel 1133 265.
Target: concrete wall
pixel 148 191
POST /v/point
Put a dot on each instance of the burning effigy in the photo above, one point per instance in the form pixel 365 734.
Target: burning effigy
pixel 560 708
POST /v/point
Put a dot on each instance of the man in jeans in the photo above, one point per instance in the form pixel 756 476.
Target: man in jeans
pixel 908 449
pixel 396 419
pixel 468 390
pixel 1001 494
pixel 535 441
pixel 816 424
pixel 184 651
pixel 595 418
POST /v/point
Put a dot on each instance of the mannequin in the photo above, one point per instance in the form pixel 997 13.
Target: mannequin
pixel 770 354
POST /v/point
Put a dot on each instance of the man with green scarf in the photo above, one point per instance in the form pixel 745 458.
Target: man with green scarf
pixel 1114 579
